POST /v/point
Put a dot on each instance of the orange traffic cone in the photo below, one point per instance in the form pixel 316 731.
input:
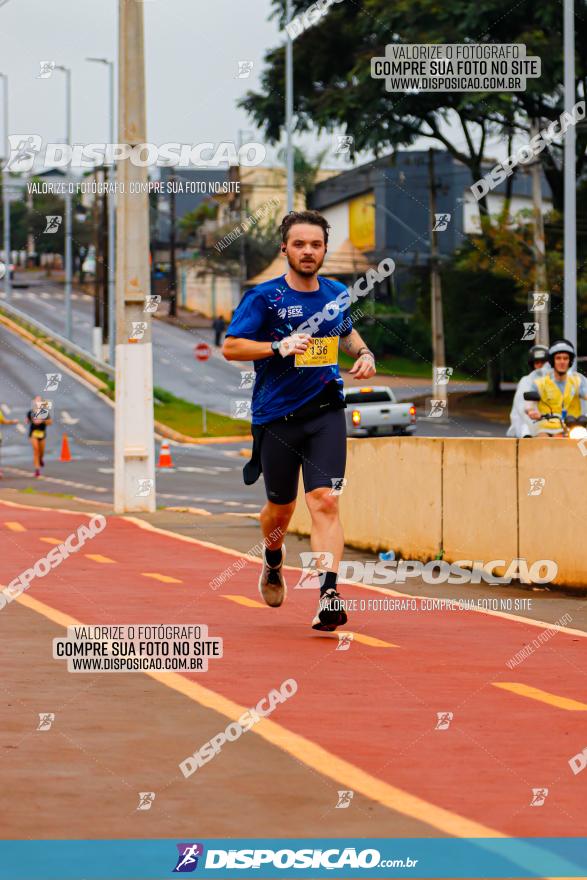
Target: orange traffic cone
pixel 65 453
pixel 165 455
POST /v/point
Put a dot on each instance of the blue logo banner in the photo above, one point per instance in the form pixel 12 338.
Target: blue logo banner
pixel 227 859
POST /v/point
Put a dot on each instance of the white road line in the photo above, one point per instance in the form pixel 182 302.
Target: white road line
pixel 5 409
pixel 67 419
pixel 165 361
pixel 21 472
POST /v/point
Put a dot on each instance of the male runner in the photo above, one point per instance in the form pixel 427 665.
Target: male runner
pixel 298 417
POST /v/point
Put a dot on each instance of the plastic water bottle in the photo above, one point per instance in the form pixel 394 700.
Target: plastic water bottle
pixel 388 556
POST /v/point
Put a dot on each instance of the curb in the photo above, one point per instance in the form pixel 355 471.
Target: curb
pixel 100 386
pixel 72 365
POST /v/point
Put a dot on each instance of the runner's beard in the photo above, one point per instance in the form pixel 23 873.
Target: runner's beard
pixel 305 269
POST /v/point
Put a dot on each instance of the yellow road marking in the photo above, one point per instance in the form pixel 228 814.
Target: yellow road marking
pixel 244 600
pixel 96 557
pixel 319 759
pixel 371 641
pixel 525 690
pixel 303 750
pixel 164 578
pixel 15 527
pixel 51 540
pixel 384 591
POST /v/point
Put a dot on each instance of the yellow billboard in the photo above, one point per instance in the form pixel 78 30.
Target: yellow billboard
pixel 362 221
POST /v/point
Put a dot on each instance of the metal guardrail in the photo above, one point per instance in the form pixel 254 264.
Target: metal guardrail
pixel 69 346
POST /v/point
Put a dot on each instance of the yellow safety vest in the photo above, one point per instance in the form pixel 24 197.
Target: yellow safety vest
pixel 552 399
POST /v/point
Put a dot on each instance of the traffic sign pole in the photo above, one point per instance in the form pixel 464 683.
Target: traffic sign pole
pixel 202 352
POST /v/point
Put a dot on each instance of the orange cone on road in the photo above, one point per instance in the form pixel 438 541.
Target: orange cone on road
pixel 65 453
pixel 165 455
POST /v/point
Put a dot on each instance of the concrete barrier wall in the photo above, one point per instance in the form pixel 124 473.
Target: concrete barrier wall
pixel 469 497
pixel 552 524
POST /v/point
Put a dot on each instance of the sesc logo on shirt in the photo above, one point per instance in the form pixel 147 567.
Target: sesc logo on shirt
pixel 291 312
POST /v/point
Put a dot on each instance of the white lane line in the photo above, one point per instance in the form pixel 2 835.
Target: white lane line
pixel 186 369
pixel 165 361
pixel 5 409
pixel 67 419
pixel 23 473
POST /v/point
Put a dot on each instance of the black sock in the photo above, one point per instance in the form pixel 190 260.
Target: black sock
pixel 273 557
pixel 327 581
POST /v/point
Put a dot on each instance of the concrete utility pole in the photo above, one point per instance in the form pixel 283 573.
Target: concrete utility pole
pixel 439 391
pixel 68 266
pixel 172 242
pixel 5 193
pixel 289 112
pixel 570 184
pixel 540 282
pixel 134 453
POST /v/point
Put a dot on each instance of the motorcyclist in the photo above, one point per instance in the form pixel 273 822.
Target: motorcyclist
pixel 560 391
pixel 520 424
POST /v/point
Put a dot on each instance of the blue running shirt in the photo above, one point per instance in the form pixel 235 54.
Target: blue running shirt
pixel 272 311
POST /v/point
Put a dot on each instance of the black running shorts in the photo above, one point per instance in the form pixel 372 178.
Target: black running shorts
pixel 317 445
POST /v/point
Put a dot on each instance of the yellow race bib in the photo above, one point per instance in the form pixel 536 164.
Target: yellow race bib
pixel 321 352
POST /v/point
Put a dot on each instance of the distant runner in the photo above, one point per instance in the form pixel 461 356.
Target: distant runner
pixel 38 417
pixel 298 418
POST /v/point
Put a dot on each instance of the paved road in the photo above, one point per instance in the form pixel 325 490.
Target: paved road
pixel 207 477
pixel 204 476
pixel 425 715
pixel 215 383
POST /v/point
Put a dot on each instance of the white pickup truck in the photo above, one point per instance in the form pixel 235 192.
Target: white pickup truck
pixel 374 411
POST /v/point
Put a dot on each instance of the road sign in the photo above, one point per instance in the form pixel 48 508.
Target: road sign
pixel 202 351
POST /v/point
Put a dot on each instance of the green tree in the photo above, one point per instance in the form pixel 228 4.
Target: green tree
pixel 305 169
pixel 333 86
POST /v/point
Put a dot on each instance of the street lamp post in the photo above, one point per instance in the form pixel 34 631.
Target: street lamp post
pixel 111 219
pixel 5 198
pixel 289 112
pixel 570 194
pixel 68 231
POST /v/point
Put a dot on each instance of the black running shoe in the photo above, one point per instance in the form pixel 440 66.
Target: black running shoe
pixel 331 612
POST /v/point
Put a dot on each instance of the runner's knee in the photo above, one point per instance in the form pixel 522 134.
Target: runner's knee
pixel 278 513
pixel 322 502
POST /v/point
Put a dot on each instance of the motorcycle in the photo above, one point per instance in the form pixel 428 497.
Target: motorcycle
pixel 573 428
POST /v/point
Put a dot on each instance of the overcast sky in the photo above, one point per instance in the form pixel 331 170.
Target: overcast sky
pixel 192 52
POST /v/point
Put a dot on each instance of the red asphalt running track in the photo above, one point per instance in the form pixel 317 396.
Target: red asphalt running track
pixel 372 706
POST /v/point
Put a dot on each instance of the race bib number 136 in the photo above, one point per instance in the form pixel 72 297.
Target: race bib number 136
pixel 321 352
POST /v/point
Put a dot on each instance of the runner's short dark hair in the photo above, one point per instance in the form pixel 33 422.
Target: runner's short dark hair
pixel 304 217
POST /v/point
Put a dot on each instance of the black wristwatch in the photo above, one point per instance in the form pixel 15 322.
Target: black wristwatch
pixel 275 347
